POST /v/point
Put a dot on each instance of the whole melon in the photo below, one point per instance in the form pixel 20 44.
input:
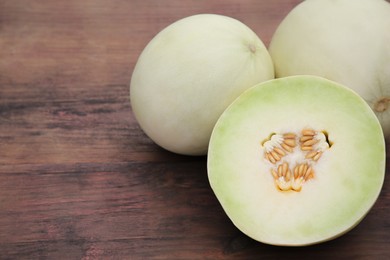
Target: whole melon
pixel 189 73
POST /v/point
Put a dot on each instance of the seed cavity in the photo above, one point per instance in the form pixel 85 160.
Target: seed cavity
pixel 315 143
pixel 278 146
pixel 280 150
pixel 282 176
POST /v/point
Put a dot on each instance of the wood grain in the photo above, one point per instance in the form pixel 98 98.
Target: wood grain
pixel 78 177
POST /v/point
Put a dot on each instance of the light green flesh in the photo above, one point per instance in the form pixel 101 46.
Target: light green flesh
pixel 348 177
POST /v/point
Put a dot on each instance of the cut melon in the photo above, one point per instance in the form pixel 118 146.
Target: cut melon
pixel 297 160
pixel 189 73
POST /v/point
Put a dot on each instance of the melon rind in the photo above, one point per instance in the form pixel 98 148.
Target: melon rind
pixel 348 179
pixel 346 41
pixel 189 73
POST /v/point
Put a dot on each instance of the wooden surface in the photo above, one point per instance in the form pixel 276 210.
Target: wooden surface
pixel 78 177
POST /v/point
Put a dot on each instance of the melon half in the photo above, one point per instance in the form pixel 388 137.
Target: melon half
pixel 297 160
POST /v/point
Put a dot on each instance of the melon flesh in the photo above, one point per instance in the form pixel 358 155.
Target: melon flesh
pixel 347 178
pixel 189 73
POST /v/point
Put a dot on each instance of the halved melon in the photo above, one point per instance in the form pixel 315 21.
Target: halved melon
pixel 297 160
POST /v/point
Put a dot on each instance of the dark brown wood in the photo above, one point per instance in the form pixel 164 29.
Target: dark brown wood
pixel 78 177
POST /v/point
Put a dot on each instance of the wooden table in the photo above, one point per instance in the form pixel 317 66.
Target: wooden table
pixel 78 177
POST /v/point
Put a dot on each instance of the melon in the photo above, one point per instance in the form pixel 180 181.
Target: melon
pixel 297 160
pixel 189 73
pixel 346 41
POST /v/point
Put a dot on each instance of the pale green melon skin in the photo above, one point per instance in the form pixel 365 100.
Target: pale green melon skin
pixel 349 176
pixel 346 41
pixel 189 73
